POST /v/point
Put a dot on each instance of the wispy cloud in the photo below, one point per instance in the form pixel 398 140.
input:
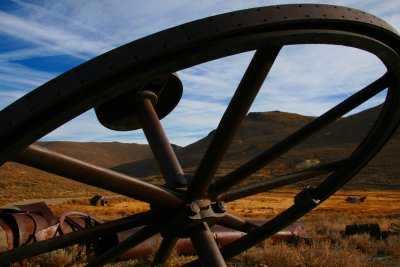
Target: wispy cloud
pixel 56 41
pixel 310 79
pixel 20 83
pixel 305 79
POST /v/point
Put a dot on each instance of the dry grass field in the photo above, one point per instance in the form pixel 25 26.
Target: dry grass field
pixel 325 225
pixel 379 204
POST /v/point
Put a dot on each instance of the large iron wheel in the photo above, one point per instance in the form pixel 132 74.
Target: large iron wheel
pixel 135 69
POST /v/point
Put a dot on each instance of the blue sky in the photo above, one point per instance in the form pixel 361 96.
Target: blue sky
pixel 41 39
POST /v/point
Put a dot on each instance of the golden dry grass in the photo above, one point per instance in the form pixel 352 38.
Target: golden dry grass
pixel 325 224
pixel 379 206
pixel 117 207
pixel 19 182
pixel 74 255
pixel 316 255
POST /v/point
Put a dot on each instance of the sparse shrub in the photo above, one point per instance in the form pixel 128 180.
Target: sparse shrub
pixel 62 257
pixel 320 253
pixel 389 247
pixel 271 254
pixel 56 258
pixel 362 243
pixel 323 254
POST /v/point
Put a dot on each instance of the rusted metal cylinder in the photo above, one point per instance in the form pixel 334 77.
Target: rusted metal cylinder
pixel 144 249
pixel 222 235
pixel 6 236
pixel 28 225
pixel 19 229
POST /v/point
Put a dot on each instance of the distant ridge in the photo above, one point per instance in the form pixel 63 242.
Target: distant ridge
pixel 260 130
pixel 107 154
pixel 257 133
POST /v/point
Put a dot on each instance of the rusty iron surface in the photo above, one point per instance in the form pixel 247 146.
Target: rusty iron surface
pixel 6 237
pixel 35 223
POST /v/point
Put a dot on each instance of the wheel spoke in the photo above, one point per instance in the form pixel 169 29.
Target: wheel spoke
pixel 237 109
pixel 159 144
pixel 135 239
pixel 90 174
pixel 297 137
pixel 264 231
pixel 205 246
pixel 304 202
pixel 81 236
pixel 283 180
pixel 236 223
pixel 164 251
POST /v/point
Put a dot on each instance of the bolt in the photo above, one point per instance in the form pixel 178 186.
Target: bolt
pixel 192 209
pixel 205 226
pixel 219 207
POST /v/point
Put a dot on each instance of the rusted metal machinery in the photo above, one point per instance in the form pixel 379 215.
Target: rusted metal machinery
pixel 132 87
pixel 35 223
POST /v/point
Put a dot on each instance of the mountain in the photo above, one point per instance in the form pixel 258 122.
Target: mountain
pixel 257 133
pixel 106 155
pixel 19 182
pixel 260 130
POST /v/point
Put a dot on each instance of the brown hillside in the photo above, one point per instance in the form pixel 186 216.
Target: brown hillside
pixel 102 154
pixel 19 182
pixel 260 130
pixel 347 130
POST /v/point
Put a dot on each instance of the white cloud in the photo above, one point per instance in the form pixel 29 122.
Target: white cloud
pixel 30 79
pixel 310 79
pixel 55 40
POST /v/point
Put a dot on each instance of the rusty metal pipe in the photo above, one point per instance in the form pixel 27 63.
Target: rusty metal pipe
pixel 137 238
pixel 237 109
pixel 279 181
pixel 222 236
pixel 264 231
pixel 90 174
pixel 159 144
pixel 164 251
pixel 233 222
pixel 206 246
